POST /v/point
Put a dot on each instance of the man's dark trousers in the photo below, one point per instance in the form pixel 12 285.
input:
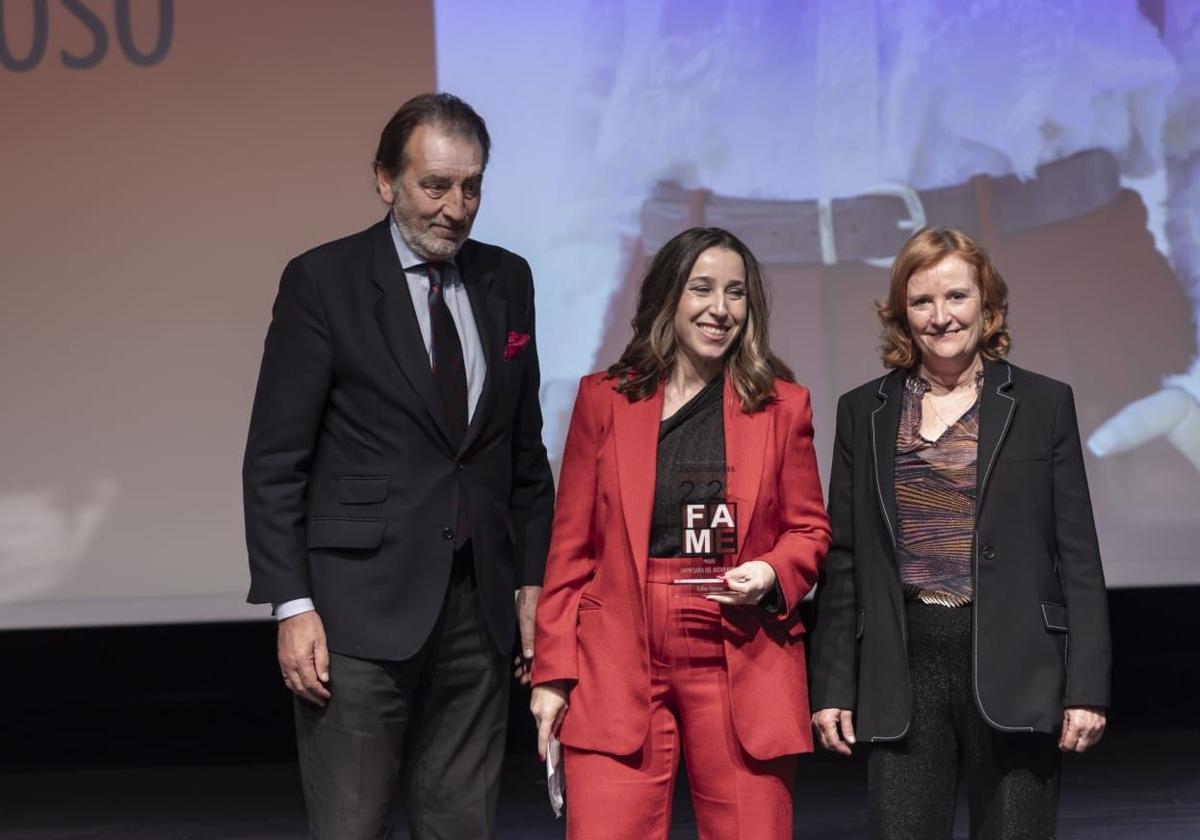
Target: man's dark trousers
pixel 431 727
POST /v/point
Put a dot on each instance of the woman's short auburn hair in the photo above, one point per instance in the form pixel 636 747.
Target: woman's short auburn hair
pixel 925 249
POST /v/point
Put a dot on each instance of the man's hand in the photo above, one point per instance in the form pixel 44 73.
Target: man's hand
pixel 303 656
pixel 1082 728
pixel 527 598
pixel 548 705
pixel 836 728
pixel 747 584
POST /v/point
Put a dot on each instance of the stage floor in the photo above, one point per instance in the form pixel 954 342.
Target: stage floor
pixel 1134 785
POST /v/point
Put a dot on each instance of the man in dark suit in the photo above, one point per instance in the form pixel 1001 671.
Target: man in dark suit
pixel 397 492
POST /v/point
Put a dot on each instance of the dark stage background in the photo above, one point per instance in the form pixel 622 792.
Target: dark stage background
pixel 210 693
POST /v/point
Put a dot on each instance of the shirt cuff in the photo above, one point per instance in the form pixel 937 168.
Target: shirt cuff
pixel 772 602
pixel 293 607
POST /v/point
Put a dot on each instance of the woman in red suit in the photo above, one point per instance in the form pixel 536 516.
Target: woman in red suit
pixel 688 527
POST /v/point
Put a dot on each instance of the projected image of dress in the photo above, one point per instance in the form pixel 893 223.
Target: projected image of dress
pixel 823 133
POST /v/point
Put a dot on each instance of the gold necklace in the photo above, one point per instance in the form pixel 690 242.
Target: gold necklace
pixel 973 380
pixel 946 424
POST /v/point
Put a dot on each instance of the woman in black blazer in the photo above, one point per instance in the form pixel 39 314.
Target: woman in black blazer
pixel 961 613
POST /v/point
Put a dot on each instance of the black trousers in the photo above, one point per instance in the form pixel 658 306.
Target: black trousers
pixel 427 732
pixel 1011 778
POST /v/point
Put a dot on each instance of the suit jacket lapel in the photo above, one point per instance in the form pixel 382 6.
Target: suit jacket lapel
pixel 996 410
pixel 489 308
pixel 635 428
pixel 398 320
pixel 885 422
pixel 745 442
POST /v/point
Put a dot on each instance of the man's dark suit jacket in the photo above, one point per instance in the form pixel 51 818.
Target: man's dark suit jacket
pixel 1040 623
pixel 351 486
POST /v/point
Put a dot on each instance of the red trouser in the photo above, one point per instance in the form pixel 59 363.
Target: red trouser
pixel 735 796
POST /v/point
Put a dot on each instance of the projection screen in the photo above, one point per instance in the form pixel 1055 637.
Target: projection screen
pixel 163 160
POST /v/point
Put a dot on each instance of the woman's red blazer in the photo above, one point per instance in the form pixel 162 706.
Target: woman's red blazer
pixel 591 624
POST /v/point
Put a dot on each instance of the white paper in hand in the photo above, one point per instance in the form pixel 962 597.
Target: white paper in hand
pixel 554 775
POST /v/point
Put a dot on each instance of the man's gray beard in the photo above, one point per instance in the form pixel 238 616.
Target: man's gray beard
pixel 423 244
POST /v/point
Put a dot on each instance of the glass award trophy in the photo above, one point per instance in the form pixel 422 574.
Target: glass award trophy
pixel 708 527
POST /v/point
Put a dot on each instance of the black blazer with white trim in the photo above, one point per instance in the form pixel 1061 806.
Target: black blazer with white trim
pixel 1040 636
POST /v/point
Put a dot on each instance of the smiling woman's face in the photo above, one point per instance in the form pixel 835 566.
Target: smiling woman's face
pixel 712 308
pixel 945 314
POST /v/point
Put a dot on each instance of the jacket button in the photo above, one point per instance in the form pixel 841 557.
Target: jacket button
pixel 989 552
pixel 460 467
pixel 447 533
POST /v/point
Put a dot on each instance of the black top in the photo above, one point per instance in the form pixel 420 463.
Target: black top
pixel 690 466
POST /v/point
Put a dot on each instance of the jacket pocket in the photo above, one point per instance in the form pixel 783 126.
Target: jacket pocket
pixel 345 532
pixel 1018 455
pixel 588 601
pixel 1055 616
pixel 362 489
pixel 795 626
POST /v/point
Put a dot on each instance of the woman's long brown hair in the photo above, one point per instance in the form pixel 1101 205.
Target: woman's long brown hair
pixel 649 357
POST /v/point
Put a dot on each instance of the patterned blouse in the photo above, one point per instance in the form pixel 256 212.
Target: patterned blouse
pixel 935 502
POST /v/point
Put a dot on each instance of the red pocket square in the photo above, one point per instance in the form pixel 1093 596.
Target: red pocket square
pixel 515 345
